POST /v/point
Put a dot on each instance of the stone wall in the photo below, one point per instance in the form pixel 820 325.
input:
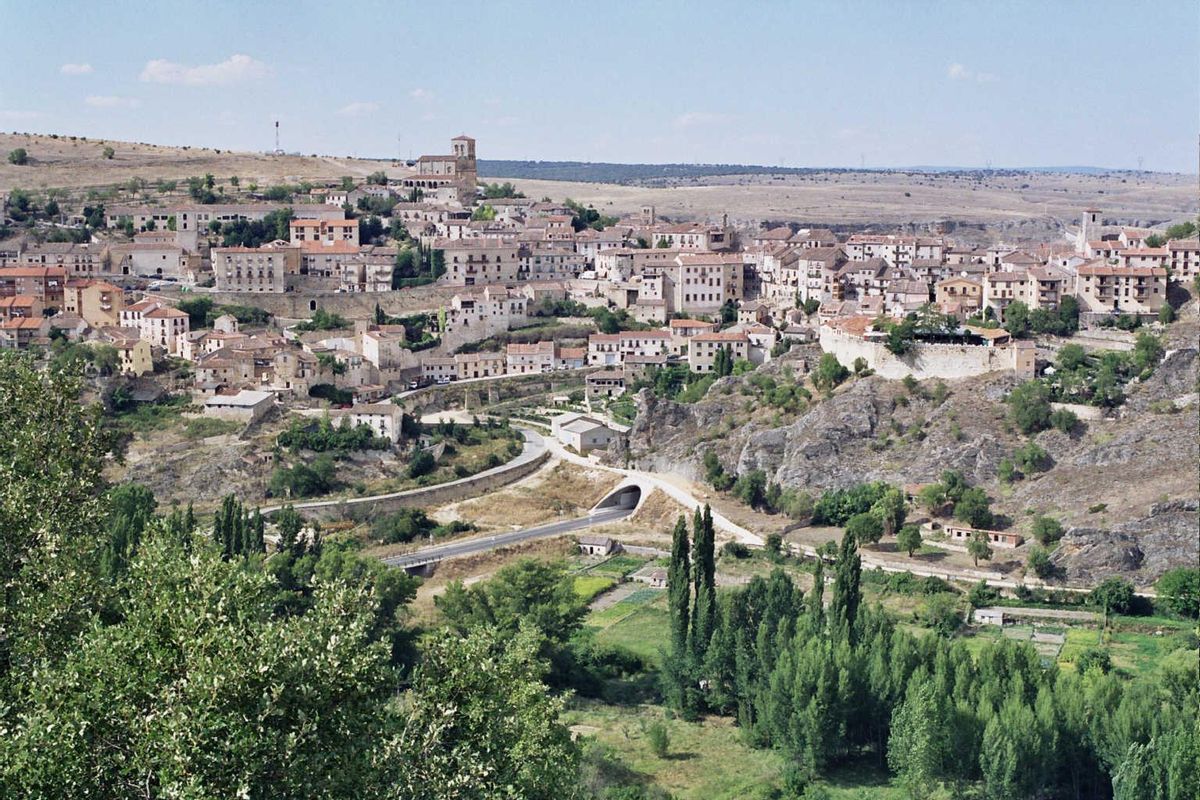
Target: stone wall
pixel 441 494
pixel 351 305
pixel 947 361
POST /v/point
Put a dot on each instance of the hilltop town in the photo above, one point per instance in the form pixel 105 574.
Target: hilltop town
pixel 266 301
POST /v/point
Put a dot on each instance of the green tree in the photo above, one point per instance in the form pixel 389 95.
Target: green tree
pixel 482 724
pixel 919 743
pixel 1012 749
pixel 1016 319
pixel 1039 562
pixel 974 508
pixel 890 510
pixel 679 586
pixel 830 373
pixel 865 527
pixel 909 539
pixel 18 156
pixel 978 548
pixel 1166 314
pixel 843 606
pixel 207 693
pixel 1114 595
pixel 1047 530
pixel 108 153
pixel 1029 407
pixel 1179 590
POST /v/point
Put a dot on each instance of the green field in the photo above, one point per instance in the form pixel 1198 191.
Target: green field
pixel 610 616
pixel 588 586
pixel 617 566
pixel 643 629
pixel 706 759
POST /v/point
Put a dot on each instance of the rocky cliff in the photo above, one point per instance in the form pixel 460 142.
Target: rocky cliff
pixel 1125 488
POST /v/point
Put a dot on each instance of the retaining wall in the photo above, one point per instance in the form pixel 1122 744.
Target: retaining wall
pixel 947 361
pixel 530 460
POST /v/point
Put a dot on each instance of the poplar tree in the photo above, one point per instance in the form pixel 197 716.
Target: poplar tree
pixel 843 607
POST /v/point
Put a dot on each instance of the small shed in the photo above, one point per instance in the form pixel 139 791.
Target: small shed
pixel 988 616
pixel 596 545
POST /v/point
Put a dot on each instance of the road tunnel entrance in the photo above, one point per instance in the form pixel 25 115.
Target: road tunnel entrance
pixel 626 497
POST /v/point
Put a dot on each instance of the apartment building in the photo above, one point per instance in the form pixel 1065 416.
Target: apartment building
pixel 255 269
pixel 96 302
pixel 323 230
pixel 44 283
pixel 474 262
pixel 959 295
pixel 1001 289
pixel 703 348
pixel 1113 288
pixel 610 349
pixel 75 259
pixel 165 327
pixel 1184 259
pixel 525 359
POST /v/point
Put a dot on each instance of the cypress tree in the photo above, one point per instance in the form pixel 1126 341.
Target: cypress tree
pixel 678 589
pixel 259 541
pixel 843 607
pixel 816 608
pixel 704 611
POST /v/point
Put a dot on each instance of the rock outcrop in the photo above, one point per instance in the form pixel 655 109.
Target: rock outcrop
pixel 1125 487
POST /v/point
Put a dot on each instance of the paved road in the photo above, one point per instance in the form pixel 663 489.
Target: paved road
pixel 480 544
pixel 533 448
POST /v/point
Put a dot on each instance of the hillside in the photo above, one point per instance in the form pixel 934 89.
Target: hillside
pixel 73 163
pixel 874 429
pixel 973 206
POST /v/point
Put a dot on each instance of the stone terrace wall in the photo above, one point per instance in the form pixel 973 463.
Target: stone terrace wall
pixel 947 361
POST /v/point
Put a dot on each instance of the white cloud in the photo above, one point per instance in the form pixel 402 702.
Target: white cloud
pixel 235 69
pixel 958 72
pixel 19 116
pixel 112 101
pixel 692 119
pixel 76 69
pixel 358 109
pixel 422 95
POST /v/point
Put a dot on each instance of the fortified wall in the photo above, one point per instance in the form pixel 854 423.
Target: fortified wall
pixel 946 361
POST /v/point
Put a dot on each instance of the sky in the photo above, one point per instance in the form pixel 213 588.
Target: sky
pixel 880 83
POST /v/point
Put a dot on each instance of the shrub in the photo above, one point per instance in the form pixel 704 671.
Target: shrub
pixel 1179 590
pixel 660 740
pixel 1093 658
pixel 735 550
pixel 830 373
pixel 1030 458
pixel 773 545
pixel 422 463
pixel 941 614
pixel 1064 420
pixel 18 156
pixel 1047 530
pixel 1039 562
pixel 982 595
pixel 1029 407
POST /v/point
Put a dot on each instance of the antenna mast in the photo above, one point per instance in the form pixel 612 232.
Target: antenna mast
pixel 277 150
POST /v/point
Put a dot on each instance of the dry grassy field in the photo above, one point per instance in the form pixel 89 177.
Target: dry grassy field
pixel 889 198
pixel 1014 205
pixel 66 163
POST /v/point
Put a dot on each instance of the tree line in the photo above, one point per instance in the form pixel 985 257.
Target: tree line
pixel 145 654
pixel 825 684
